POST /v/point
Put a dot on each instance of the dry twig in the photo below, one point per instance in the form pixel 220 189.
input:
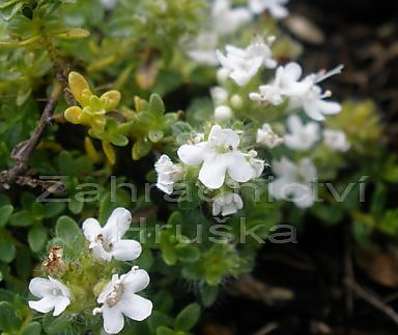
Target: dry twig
pixel 23 151
pixel 373 300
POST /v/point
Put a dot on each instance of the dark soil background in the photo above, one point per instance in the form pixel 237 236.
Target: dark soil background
pixel 299 288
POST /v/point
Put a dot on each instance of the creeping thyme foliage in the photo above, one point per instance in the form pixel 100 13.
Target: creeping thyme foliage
pixel 164 140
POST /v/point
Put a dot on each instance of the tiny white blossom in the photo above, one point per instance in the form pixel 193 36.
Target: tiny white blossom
pixel 227 204
pixel 243 64
pixel 225 19
pixel 109 4
pixel 52 293
pixel 294 182
pixel 203 49
pixel 314 105
pixel 218 156
pixel 336 140
pixel 266 136
pixel 168 174
pixel 312 100
pixel 275 7
pixel 106 242
pixel 219 95
pixel 119 299
pixel 286 84
pixel 222 113
pixel 301 136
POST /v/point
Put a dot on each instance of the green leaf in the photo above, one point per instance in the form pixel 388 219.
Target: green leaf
pixel 156 104
pixel 56 326
pixel 69 232
pixel 165 331
pixel 188 317
pixel 22 219
pixel 8 319
pixel 169 254
pixel 53 209
pixel 5 213
pixel 119 140
pixel 75 205
pixel 37 238
pixel 175 219
pixel 33 328
pixel 208 294
pixel 155 135
pixel 141 148
pixel 7 249
pixel 188 253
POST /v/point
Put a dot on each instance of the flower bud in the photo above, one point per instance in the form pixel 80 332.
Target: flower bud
pixel 222 113
pixel 222 75
pixel 236 101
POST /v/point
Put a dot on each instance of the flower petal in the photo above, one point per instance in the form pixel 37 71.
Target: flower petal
pixel 239 169
pixel 91 229
pixel 113 319
pixel 126 250
pixel 57 284
pixel 117 224
pixel 223 137
pixel 329 107
pixel 135 307
pixel 293 71
pixel 303 196
pixel 135 280
pixel 192 154
pixel 100 253
pixel 60 305
pixel 43 305
pixel 284 167
pixel 40 287
pixel 212 173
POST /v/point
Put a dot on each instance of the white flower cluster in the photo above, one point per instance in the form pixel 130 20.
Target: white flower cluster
pixel 222 166
pixel 220 157
pixel 224 20
pixel 118 298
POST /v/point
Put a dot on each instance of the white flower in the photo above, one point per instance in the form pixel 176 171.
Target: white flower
pixel 222 113
pixel 303 93
pixel 219 95
pixel 106 242
pixel 226 20
pixel 168 174
pixel 203 48
pixel 301 137
pixel 336 140
pixel 54 295
pixel 312 100
pixel 227 204
pixel 118 299
pixel 218 156
pixel 314 105
pixel 275 7
pixel 243 64
pixel 257 164
pixel 109 4
pixel 266 136
pixel 286 84
pixel 294 182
